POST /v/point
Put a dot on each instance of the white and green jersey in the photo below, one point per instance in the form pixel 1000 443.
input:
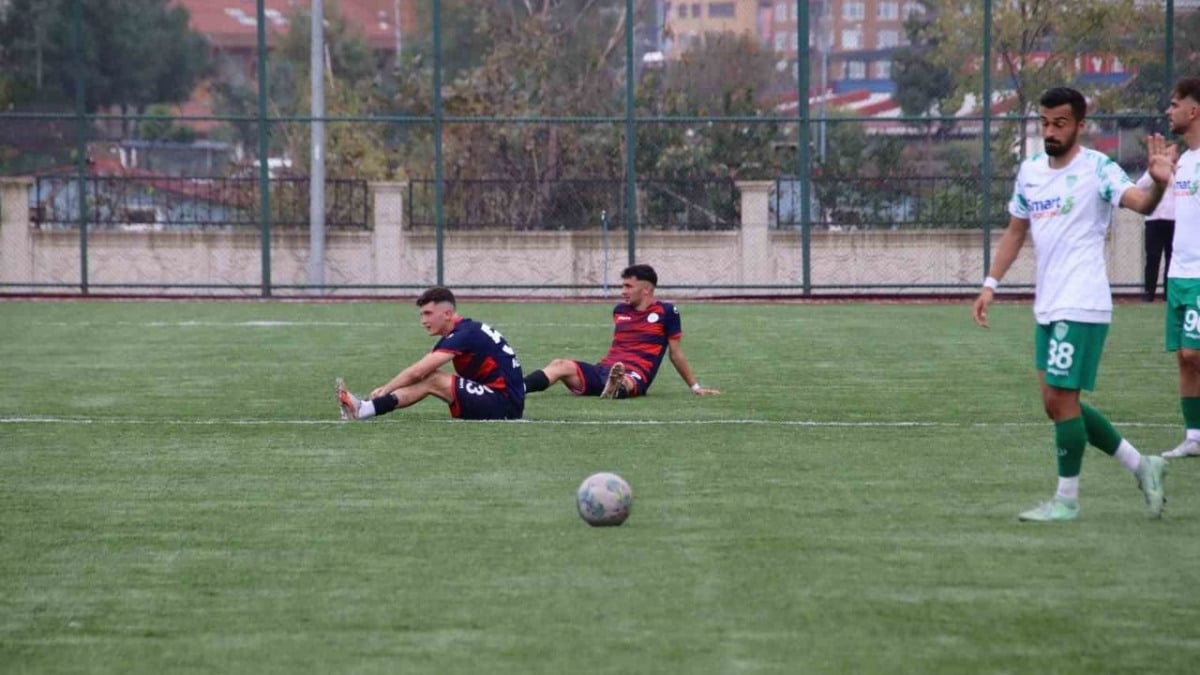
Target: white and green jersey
pixel 1069 211
pixel 1185 249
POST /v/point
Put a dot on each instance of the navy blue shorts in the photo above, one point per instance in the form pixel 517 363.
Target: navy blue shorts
pixel 595 376
pixel 474 401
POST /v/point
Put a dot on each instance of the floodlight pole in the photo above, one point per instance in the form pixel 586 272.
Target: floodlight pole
pixel 316 177
pixel 264 173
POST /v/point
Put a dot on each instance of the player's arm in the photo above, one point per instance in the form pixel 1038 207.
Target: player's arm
pixel 1161 157
pixel 414 373
pixel 684 369
pixel 1143 199
pixel 1006 253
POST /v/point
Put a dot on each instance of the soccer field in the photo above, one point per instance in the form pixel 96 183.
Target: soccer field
pixel 177 495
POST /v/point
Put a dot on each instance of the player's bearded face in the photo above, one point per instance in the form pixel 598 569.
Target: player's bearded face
pixel 1059 130
pixel 1061 143
pixel 1180 114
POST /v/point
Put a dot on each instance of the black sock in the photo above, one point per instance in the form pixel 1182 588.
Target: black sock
pixel 536 381
pixel 385 404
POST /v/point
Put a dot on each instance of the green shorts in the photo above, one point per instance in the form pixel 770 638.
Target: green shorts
pixel 1182 327
pixel 1069 353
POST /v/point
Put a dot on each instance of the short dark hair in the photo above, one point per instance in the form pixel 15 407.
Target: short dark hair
pixel 1188 87
pixel 436 294
pixel 1065 95
pixel 641 273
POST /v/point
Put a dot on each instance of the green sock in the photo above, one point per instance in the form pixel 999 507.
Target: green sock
pixel 1071 438
pixel 1191 412
pixel 1100 431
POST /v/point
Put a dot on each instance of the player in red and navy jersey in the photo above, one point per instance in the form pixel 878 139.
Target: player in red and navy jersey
pixel 486 384
pixel 644 331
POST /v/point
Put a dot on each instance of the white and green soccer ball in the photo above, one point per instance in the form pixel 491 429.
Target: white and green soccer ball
pixel 604 499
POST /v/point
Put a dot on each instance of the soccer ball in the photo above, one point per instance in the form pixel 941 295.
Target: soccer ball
pixel 604 499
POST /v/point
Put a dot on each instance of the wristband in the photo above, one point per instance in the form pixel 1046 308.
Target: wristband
pixel 991 283
pixel 696 387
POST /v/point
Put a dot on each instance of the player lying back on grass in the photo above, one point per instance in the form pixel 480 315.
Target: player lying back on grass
pixel 644 330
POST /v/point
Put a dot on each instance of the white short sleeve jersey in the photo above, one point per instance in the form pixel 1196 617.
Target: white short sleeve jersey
pixel 1069 211
pixel 1185 249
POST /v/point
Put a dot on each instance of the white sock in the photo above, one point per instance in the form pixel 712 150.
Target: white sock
pixel 1128 456
pixel 366 409
pixel 1068 487
pixel 1192 435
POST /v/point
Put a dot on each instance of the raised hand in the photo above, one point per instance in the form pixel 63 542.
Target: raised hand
pixel 1161 157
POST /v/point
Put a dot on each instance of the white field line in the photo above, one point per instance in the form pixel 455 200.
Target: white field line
pixel 273 324
pixel 867 424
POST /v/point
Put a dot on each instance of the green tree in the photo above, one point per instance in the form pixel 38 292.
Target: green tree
pixel 162 126
pixel 1150 88
pixel 134 52
pixel 923 86
pixel 354 149
pixel 722 75
pixel 1036 44
pixel 859 181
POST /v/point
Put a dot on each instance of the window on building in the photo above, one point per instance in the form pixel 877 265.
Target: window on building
pixel 851 39
pixel 856 70
pixel 695 9
pixel 854 11
pixel 722 10
pixel 883 70
pixel 682 10
pixel 887 38
pixel 781 41
pixel 888 11
pixel 781 9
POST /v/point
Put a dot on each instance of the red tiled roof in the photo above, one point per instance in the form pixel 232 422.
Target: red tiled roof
pixel 233 23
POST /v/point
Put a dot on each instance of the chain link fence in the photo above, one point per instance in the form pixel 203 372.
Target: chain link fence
pixel 771 147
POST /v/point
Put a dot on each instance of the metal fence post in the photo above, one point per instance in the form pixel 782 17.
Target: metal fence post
pixel 804 153
pixel 630 138
pixel 264 175
pixel 81 121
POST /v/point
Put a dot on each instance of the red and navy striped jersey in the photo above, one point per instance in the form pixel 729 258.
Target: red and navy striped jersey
pixel 482 355
pixel 640 338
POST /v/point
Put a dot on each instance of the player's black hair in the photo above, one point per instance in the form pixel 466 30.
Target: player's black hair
pixel 1065 95
pixel 436 294
pixel 1188 87
pixel 641 273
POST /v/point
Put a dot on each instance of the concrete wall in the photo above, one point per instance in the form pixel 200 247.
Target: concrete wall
pixel 753 259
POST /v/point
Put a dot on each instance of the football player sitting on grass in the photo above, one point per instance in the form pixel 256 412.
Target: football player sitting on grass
pixel 644 330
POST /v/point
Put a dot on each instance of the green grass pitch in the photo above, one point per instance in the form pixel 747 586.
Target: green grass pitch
pixel 177 495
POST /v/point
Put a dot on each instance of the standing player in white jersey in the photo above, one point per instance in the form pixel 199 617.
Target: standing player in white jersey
pixel 1183 281
pixel 1064 197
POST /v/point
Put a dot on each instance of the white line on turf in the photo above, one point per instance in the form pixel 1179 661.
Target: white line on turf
pixel 275 324
pixel 867 424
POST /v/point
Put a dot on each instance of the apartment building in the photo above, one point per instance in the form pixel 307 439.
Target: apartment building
pixel 686 21
pixel 850 42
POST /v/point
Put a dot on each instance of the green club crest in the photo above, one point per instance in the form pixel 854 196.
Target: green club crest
pixel 1068 204
pixel 1060 330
